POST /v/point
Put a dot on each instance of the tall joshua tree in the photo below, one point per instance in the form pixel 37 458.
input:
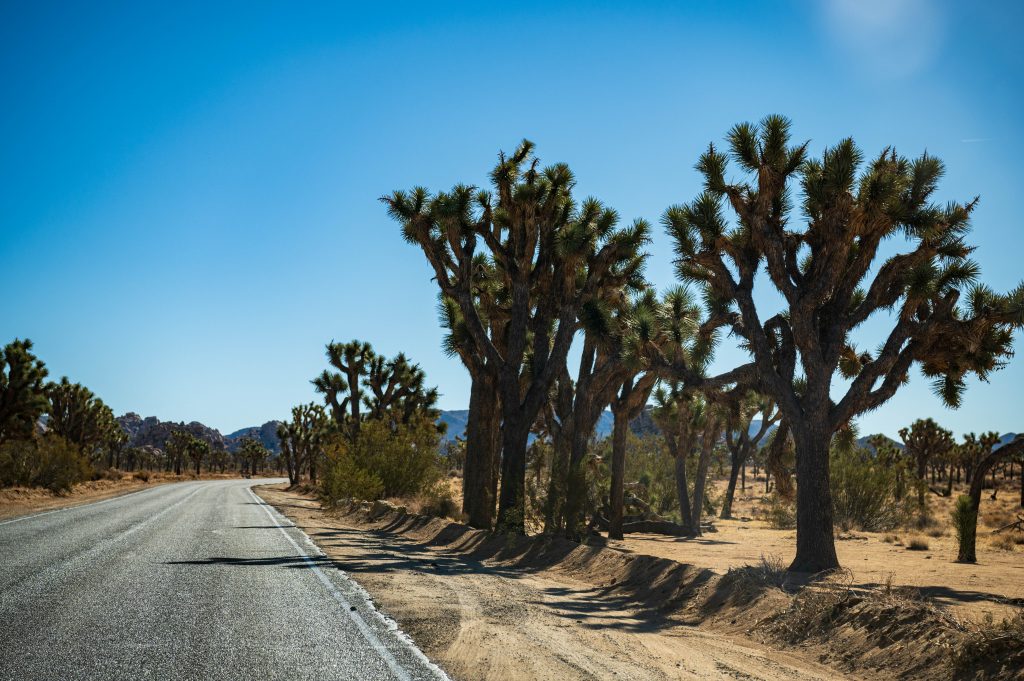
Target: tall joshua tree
pixel 823 270
pixel 925 440
pixel 551 255
pixel 613 329
pixel 22 391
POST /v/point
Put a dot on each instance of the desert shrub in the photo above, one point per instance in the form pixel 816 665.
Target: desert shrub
pixel 383 461
pixel 936 532
pixel 1003 542
pixel 779 513
pixel 992 647
pixel 343 479
pixel 864 492
pixel 438 502
pixel 964 520
pixel 47 461
pixel 917 544
pixel 142 475
pixel 108 474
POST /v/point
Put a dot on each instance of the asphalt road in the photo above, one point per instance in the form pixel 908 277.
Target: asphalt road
pixel 194 580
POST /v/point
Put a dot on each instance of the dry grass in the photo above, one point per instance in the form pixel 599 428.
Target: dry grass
pixel 1005 541
pixel 917 544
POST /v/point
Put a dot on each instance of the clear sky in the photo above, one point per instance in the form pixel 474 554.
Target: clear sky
pixel 188 191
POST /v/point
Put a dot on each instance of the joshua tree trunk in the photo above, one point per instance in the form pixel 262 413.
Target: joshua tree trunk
pixel 479 482
pixel 966 553
pixel 739 458
pixel 682 493
pixel 815 542
pixel 706 448
pixel 627 405
pixel 619 431
pixel 512 501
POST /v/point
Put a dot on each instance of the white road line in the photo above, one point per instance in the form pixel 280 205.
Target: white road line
pixel 78 506
pixel 357 619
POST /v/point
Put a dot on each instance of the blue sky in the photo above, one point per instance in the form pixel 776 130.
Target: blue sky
pixel 188 193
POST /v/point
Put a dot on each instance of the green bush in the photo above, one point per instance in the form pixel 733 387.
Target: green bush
pixel 865 491
pixel 384 461
pixel 779 513
pixel 343 479
pixel 47 461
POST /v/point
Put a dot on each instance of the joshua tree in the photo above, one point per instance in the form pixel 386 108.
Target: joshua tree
pixel 303 438
pixel 552 257
pixel 22 393
pixel 674 414
pixel 252 453
pixel 80 417
pixel 966 514
pixel 740 437
pixel 352 360
pixel 823 271
pixel 925 441
pixel 397 391
pixel 615 332
pixel 197 450
pixel 177 448
pixel 390 389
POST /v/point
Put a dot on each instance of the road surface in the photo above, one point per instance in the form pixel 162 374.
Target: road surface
pixel 194 580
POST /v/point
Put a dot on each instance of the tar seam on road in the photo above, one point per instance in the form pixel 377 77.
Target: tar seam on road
pixel 71 508
pixel 338 596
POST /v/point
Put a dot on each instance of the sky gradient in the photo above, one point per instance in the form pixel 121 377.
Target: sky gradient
pixel 188 194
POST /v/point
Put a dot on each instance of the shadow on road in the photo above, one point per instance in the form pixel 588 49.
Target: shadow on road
pixel 299 562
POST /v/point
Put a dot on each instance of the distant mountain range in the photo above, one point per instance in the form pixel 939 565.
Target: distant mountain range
pixel 154 432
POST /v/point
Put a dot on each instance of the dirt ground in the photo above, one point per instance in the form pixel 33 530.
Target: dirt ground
pixel 995 584
pixel 18 501
pixel 537 618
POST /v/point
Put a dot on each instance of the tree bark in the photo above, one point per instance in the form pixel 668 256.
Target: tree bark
pixel 620 430
pixel 707 446
pixel 682 493
pixel 512 499
pixel 815 541
pixel 738 460
pixel 479 479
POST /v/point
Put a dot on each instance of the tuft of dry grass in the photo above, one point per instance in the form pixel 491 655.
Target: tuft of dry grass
pixel 936 532
pixel 992 647
pixel 917 544
pixel 891 539
pixel 1004 541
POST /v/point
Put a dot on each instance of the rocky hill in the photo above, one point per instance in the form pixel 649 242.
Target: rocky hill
pixel 152 432
pixel 266 434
